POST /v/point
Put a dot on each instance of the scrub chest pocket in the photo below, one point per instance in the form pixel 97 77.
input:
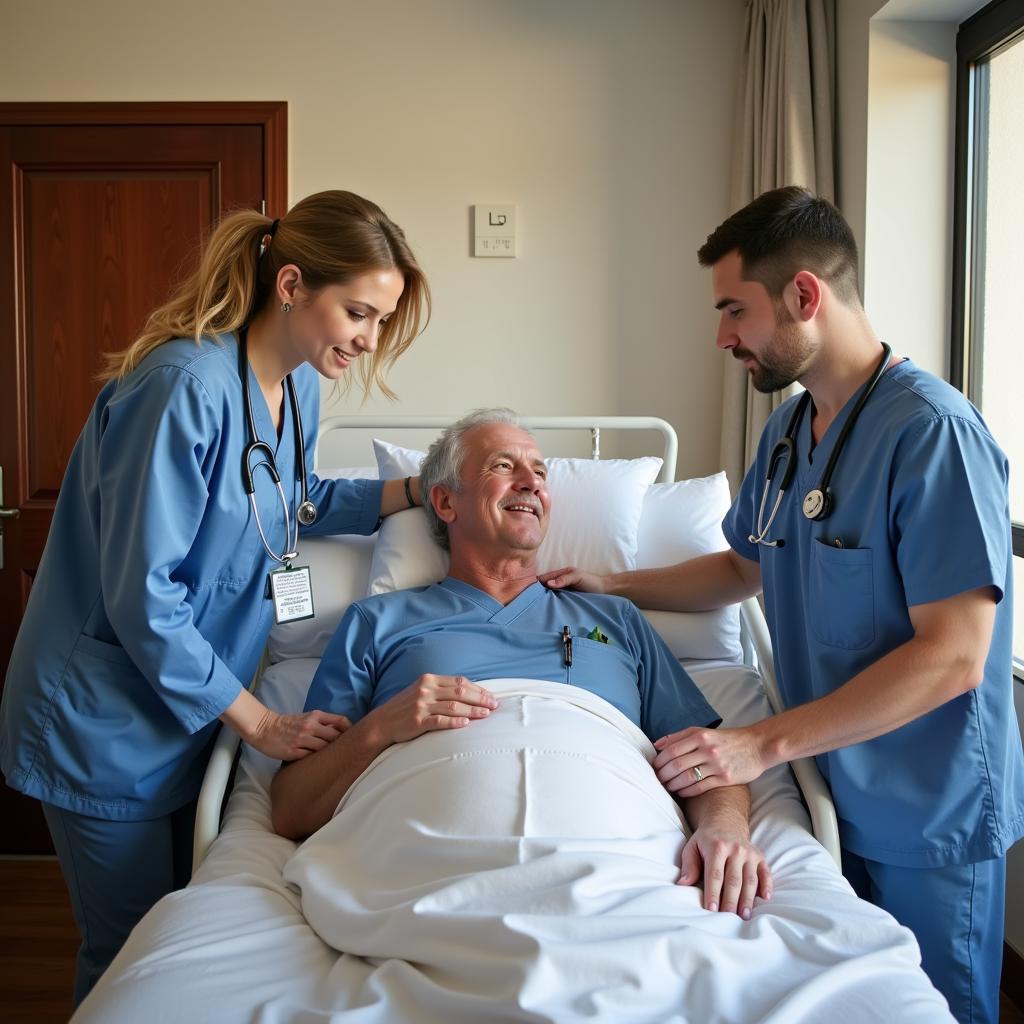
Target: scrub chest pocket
pixel 592 661
pixel 841 596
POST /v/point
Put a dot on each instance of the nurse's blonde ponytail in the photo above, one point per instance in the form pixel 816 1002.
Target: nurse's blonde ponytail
pixel 215 298
pixel 331 237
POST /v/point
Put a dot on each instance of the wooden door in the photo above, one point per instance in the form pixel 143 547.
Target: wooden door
pixel 101 208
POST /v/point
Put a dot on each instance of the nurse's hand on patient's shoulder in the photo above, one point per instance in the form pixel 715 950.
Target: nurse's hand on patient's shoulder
pixel 572 578
pixel 432 702
pixel 695 760
pixel 734 870
pixel 290 737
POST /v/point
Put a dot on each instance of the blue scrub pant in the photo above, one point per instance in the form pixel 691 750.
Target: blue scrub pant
pixel 956 913
pixel 115 871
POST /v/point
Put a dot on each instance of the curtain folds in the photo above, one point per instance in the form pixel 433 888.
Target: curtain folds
pixel 784 136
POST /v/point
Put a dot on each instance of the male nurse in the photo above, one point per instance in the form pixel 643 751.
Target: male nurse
pixel 885 564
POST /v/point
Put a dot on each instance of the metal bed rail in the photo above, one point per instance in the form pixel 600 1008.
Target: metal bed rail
pixel 594 424
pixel 824 823
pixel 214 792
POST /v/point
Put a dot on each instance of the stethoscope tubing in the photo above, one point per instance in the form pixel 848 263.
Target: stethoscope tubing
pixel 306 511
pixel 818 502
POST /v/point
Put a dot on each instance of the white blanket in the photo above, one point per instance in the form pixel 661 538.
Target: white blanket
pixel 235 948
pixel 523 869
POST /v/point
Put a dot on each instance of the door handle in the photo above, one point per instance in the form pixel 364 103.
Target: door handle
pixel 5 513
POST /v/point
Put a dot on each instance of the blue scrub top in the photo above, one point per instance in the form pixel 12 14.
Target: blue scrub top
pixel 148 611
pixel 921 512
pixel 384 643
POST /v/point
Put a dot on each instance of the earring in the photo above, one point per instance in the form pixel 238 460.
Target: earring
pixel 286 307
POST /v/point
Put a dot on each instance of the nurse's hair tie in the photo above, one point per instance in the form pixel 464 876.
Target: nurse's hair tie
pixel 268 236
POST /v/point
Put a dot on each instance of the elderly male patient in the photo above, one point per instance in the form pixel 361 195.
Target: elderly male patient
pixel 411 662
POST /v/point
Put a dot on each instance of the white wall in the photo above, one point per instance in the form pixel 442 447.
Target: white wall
pixel 853 38
pixel 909 195
pixel 609 124
pixel 895 101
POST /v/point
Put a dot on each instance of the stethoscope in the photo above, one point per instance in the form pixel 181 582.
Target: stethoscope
pixel 306 512
pixel 818 502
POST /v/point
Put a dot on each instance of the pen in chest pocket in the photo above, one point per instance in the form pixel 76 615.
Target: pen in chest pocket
pixel 567 645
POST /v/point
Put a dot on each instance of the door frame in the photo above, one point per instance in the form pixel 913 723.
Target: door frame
pixel 272 115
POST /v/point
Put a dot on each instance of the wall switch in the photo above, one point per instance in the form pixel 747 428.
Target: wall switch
pixel 494 230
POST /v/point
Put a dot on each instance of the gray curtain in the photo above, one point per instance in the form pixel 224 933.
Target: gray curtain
pixel 785 122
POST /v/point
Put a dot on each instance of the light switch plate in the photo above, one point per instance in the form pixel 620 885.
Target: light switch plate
pixel 494 230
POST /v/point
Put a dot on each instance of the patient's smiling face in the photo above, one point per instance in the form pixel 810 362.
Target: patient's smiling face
pixel 503 506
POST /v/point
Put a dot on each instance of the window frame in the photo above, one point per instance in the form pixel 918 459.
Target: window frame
pixel 979 38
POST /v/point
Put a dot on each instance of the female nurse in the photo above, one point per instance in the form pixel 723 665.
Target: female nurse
pixel 176 523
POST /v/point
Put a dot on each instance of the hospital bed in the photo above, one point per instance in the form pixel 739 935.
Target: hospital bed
pixel 237 943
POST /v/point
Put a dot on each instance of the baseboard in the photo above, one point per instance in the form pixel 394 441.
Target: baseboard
pixel 1013 975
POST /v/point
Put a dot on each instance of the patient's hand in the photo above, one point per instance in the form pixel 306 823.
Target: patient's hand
pixel 572 578
pixel 431 703
pixel 735 871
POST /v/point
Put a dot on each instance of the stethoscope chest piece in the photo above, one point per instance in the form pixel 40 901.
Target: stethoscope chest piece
pixel 815 504
pixel 306 513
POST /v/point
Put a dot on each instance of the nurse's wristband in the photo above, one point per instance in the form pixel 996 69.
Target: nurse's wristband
pixel 408 493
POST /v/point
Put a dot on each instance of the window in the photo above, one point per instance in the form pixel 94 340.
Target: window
pixel 988 317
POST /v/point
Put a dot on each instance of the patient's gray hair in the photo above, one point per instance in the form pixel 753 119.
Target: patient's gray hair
pixel 443 464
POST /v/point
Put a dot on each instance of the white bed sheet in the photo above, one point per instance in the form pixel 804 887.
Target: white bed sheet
pixel 235 945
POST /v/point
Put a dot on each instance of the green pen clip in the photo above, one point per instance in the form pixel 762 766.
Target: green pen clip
pixel 596 634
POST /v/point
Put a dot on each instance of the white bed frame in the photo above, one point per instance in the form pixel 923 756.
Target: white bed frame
pixel 755 637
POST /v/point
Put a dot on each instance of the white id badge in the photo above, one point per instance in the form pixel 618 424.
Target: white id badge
pixel 292 593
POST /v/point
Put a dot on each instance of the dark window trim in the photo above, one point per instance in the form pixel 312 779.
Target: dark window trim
pixel 979 37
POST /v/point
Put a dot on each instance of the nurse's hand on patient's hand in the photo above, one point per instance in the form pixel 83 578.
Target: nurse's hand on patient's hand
pixel 724 757
pixel 290 737
pixel 432 702
pixel 572 578
pixel 734 870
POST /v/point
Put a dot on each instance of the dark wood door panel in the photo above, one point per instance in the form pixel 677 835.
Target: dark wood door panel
pixel 235 152
pixel 130 229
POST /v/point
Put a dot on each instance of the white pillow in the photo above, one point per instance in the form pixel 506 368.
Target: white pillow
pixel 405 554
pixel 596 509
pixel 339 570
pixel 681 521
